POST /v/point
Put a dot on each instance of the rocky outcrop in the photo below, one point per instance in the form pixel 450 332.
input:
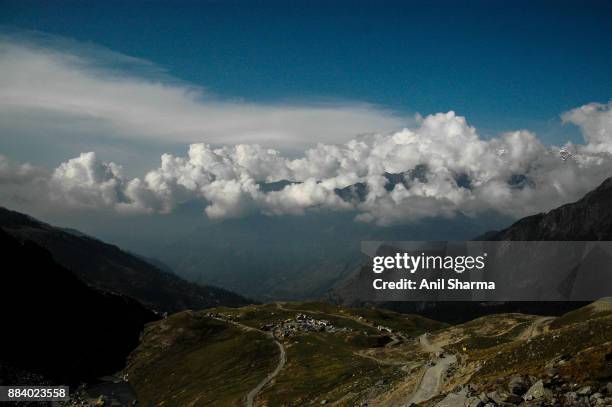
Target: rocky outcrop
pixel 539 393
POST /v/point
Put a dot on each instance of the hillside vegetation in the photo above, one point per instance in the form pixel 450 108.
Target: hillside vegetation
pixel 360 356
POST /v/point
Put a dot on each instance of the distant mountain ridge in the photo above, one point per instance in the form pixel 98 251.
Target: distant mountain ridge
pixel 109 268
pixel 358 192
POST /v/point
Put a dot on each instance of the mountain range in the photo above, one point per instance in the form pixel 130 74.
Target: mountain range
pixel 292 257
pixel 107 267
pixel 588 219
pixel 300 257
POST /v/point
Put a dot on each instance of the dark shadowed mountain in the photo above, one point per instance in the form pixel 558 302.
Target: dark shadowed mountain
pixel 109 268
pixel 55 326
pixel 589 218
pixel 275 186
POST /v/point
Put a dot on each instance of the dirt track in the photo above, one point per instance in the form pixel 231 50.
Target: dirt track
pixel 432 379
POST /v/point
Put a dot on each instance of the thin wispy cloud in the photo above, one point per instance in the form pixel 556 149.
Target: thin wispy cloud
pixel 123 97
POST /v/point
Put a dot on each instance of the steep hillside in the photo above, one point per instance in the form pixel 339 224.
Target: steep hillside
pixel 109 268
pixel 56 328
pixel 192 359
pixel 589 218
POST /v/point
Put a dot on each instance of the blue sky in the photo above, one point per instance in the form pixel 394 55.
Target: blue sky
pixel 140 107
pixel 503 66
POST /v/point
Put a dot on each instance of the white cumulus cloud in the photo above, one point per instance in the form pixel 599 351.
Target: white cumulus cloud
pixel 439 167
pixel 595 121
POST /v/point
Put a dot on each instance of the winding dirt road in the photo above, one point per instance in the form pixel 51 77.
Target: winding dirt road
pixel 281 362
pixel 431 382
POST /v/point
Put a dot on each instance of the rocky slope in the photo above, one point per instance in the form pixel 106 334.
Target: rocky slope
pixel 563 361
pixel 589 218
pixel 107 267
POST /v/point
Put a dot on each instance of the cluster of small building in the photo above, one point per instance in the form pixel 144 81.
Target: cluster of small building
pixel 218 315
pixel 301 323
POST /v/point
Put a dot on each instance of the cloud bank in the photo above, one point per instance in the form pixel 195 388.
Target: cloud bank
pixel 439 167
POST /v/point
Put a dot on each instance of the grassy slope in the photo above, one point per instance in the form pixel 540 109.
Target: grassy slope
pixel 408 324
pixel 321 366
pixel 324 367
pixel 597 309
pixel 489 331
pixel 190 359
